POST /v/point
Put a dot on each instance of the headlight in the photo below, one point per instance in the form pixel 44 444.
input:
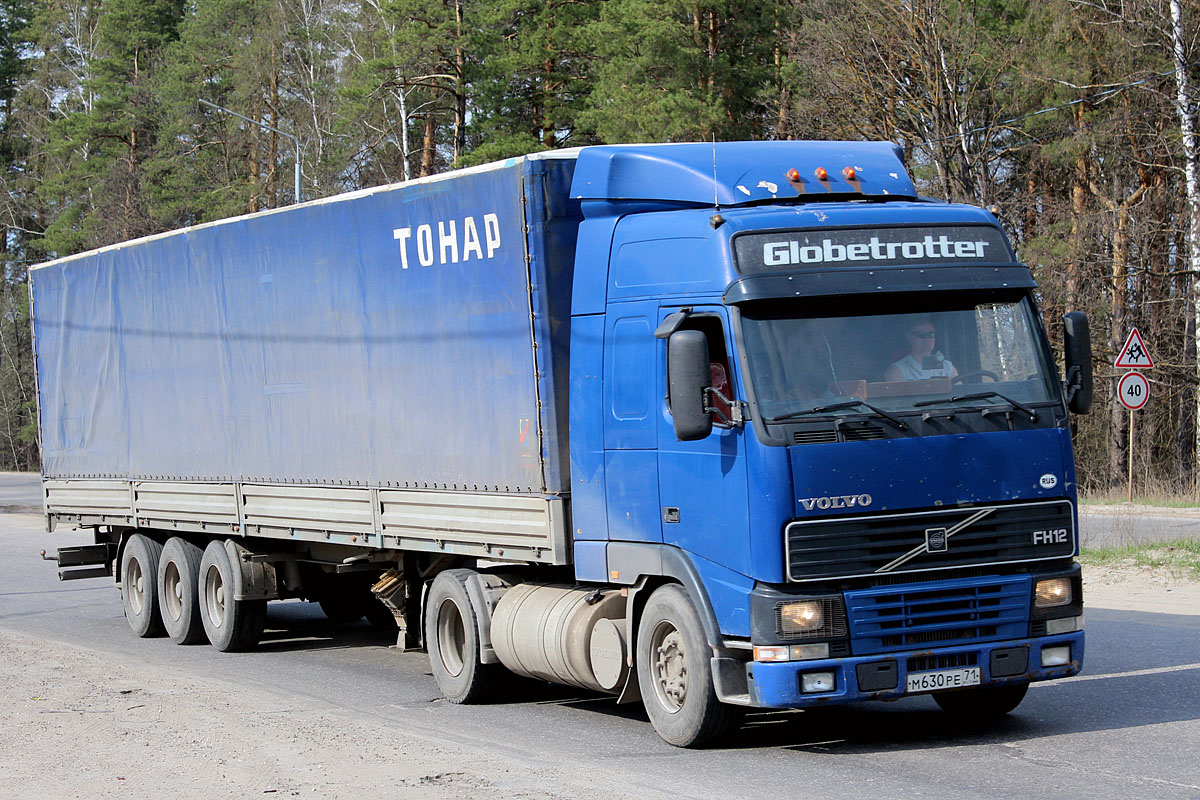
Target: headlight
pixel 801 617
pixel 1052 592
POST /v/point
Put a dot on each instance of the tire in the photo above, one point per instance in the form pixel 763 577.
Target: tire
pixel 341 609
pixel 452 639
pixel 348 598
pixel 179 592
pixel 232 625
pixel 139 585
pixel 984 703
pixel 674 673
pixel 380 616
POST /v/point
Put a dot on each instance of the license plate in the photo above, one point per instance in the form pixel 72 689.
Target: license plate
pixel 943 679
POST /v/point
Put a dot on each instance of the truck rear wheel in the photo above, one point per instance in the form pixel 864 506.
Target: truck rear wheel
pixel 231 624
pixel 178 591
pixel 452 639
pixel 983 703
pixel 139 585
pixel 674 673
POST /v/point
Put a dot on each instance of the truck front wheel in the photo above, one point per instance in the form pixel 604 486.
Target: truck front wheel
pixel 231 624
pixel 674 673
pixel 983 703
pixel 452 639
pixel 139 585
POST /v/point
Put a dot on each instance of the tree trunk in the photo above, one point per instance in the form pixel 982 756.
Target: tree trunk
pixel 428 149
pixel 1183 108
pixel 460 86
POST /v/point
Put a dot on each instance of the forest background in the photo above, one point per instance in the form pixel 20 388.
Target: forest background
pixel 1073 117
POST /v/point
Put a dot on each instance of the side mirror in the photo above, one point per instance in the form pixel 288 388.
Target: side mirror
pixel 688 376
pixel 1077 352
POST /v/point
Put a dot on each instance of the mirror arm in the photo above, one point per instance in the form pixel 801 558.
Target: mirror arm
pixel 1071 383
pixel 736 407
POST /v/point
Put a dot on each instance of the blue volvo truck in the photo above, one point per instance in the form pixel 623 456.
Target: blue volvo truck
pixel 712 427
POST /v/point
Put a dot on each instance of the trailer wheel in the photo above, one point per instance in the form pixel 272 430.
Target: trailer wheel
pixel 983 703
pixel 452 639
pixel 674 673
pixel 179 592
pixel 139 585
pixel 231 624
pixel 348 598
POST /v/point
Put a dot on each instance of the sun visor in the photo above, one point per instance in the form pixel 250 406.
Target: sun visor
pixel 737 173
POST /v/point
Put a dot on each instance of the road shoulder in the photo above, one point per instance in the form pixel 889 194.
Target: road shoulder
pixel 84 724
pixel 1126 588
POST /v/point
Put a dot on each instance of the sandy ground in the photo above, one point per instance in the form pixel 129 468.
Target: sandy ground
pixel 163 736
pixel 1132 588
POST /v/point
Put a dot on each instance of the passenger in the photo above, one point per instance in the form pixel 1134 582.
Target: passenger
pixel 923 361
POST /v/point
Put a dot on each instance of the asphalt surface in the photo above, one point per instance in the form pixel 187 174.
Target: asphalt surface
pixel 20 492
pixel 1128 727
pixel 1138 525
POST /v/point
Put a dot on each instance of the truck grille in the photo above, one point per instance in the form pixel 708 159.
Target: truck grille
pixel 921 615
pixel 857 546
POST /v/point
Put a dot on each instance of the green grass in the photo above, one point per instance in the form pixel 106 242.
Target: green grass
pixel 1180 558
pixel 1117 499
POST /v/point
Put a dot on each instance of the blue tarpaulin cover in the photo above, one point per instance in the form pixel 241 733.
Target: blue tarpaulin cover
pixel 379 338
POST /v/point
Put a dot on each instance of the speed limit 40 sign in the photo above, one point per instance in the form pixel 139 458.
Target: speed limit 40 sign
pixel 1133 390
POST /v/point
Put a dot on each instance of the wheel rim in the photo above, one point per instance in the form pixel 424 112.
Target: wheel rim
pixel 670 666
pixel 173 591
pixel 451 637
pixel 214 596
pixel 136 581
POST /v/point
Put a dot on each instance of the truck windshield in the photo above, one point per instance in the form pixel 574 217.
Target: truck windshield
pixel 802 359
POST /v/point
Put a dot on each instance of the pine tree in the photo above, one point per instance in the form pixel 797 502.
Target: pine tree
pixel 100 148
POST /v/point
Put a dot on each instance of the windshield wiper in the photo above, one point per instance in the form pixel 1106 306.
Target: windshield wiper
pixel 981 396
pixel 879 412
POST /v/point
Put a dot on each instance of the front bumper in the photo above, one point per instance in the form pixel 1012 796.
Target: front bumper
pixel 777 684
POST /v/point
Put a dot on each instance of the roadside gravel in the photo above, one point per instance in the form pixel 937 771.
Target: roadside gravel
pixel 80 724
pixel 1128 587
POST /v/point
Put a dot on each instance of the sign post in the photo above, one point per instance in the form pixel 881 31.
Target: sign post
pixel 1133 389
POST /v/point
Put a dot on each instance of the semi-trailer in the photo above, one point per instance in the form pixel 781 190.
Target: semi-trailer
pixel 710 426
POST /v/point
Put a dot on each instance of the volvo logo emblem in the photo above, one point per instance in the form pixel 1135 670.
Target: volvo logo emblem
pixel 935 540
pixel 840 501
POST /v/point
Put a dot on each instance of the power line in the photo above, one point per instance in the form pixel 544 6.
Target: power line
pixel 1092 97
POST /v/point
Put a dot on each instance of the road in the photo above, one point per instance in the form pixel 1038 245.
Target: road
pixel 1118 525
pixel 20 492
pixel 1128 727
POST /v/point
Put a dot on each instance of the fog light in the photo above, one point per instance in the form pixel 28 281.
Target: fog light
pixel 1052 593
pixel 777 653
pixel 804 651
pixel 816 682
pixel 1064 625
pixel 801 617
pixel 1056 656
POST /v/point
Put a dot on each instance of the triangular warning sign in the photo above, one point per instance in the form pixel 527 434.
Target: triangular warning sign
pixel 1134 354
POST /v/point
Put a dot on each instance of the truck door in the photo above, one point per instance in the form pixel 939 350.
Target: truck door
pixel 702 484
pixel 630 422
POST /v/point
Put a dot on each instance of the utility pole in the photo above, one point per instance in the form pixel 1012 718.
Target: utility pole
pixel 295 141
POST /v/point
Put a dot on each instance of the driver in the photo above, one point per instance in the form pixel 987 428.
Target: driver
pixel 924 360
